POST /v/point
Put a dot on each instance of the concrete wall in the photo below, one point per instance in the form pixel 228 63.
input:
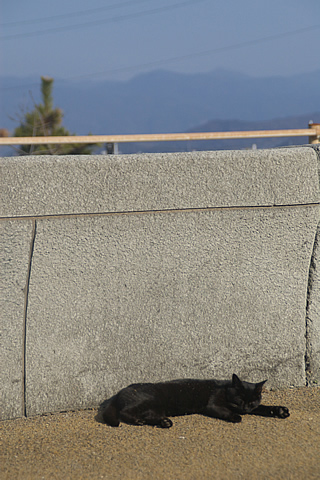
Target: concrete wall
pixel 120 269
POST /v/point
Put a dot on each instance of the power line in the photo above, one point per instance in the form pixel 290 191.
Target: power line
pixel 212 51
pixel 101 21
pixel 71 14
pixel 154 63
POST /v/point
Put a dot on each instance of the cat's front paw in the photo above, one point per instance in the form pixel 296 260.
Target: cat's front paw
pixel 280 412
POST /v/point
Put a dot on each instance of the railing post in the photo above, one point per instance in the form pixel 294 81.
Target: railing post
pixel 112 149
pixel 314 138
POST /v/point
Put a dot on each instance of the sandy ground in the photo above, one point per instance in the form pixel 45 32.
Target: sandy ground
pixel 73 445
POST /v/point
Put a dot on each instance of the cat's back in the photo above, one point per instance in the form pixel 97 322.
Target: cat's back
pixel 136 392
pixel 179 391
pixel 172 390
pixel 182 385
pixel 174 397
pixel 187 395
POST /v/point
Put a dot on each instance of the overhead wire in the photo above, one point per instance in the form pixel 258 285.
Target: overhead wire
pixel 199 54
pixel 100 21
pixel 77 13
pixel 175 59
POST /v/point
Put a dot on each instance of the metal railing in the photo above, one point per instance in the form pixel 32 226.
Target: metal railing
pixel 313 133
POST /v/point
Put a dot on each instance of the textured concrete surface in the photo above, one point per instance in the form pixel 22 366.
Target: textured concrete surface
pixel 50 185
pixel 313 306
pixel 313 316
pixel 119 299
pixel 73 445
pixel 155 267
pixel 15 244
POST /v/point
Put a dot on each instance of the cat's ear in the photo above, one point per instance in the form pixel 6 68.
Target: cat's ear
pixel 258 387
pixel 236 382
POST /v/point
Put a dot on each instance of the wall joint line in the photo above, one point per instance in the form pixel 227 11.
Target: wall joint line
pixel 26 299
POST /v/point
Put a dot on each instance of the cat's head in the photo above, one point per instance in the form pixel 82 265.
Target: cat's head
pixel 243 397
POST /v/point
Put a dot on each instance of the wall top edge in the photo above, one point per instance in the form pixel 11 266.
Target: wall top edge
pixel 92 184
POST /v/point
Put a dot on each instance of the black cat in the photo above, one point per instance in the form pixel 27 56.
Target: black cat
pixel 153 403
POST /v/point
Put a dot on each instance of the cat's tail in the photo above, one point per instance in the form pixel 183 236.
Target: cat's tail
pixel 110 412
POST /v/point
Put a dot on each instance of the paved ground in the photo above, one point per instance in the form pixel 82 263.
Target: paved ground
pixel 73 445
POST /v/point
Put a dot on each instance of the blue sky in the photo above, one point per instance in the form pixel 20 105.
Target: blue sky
pixel 117 39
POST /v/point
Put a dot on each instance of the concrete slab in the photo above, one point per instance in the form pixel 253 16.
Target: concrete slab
pixel 151 267
pixel 146 297
pixel 15 243
pixel 313 317
pixel 52 185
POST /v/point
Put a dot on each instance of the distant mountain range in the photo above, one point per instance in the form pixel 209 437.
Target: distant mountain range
pixel 299 121
pixel 162 101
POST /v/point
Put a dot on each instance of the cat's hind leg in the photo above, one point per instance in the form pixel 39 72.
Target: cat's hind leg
pixel 150 417
pixel 144 416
